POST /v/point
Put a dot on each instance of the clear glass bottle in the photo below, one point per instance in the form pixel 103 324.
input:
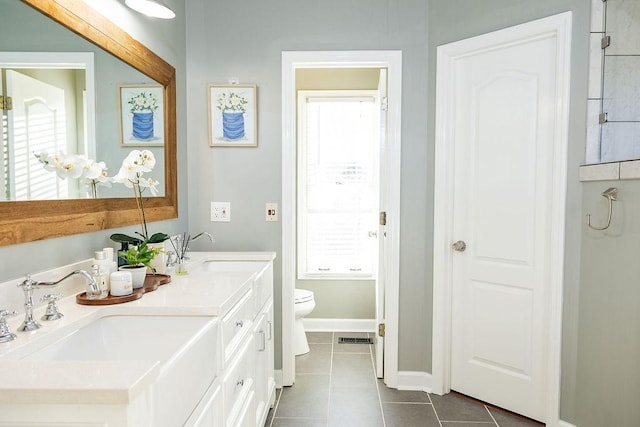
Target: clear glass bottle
pixel 101 258
pixel 100 276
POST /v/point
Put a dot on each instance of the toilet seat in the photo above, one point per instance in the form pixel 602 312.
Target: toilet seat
pixel 302 295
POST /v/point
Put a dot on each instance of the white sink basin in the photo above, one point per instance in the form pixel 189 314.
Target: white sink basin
pixel 185 347
pixel 125 338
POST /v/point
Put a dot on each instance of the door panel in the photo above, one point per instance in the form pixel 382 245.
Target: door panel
pixel 382 229
pixel 504 135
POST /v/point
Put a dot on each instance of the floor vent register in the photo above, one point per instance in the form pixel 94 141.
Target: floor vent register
pixel 348 340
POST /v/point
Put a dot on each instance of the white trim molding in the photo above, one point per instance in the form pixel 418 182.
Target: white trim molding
pixel 278 377
pixel 414 381
pixel 565 424
pixel 291 61
pixel 339 325
pixel 560 26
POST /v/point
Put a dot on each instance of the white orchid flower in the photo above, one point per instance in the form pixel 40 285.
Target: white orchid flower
pixel 50 162
pixel 126 177
pixel 150 184
pixel 70 167
pixel 139 161
pixel 94 170
pixel 95 173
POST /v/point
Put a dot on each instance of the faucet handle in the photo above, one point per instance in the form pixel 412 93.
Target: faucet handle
pixel 50 298
pixel 51 313
pixel 5 314
pixel 5 333
pixel 27 282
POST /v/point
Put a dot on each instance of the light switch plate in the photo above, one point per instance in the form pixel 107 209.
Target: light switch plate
pixel 220 211
pixel 271 212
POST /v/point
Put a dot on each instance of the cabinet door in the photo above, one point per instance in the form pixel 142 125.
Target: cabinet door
pixel 265 382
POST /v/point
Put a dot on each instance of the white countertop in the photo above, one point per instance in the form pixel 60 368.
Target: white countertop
pixel 199 293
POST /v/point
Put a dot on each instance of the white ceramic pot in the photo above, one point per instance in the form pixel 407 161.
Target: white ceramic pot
pixel 159 262
pixel 138 274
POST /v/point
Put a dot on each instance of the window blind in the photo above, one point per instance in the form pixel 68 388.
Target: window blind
pixel 338 186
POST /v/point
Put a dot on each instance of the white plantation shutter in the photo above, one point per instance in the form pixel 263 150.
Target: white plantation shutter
pixel 338 184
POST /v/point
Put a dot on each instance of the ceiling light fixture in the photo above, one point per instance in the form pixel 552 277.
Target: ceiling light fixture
pixel 152 8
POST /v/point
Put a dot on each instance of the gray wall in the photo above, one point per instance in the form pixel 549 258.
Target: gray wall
pixel 341 299
pixel 166 38
pixel 453 20
pixel 245 39
pixel 609 332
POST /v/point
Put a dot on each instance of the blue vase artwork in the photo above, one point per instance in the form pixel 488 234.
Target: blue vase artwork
pixel 142 125
pixel 143 106
pixel 233 107
pixel 232 125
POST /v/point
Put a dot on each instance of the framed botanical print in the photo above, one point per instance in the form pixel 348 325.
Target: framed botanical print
pixel 232 115
pixel 141 114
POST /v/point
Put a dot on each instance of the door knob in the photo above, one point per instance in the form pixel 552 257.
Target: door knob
pixel 459 246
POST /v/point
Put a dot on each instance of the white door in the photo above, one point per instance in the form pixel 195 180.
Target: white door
pixel 505 184
pixel 36 123
pixel 382 228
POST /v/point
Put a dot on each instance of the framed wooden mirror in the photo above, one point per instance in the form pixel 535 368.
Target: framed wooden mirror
pixel 36 220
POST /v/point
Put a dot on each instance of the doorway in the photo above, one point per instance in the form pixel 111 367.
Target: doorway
pixel 500 168
pixel 387 285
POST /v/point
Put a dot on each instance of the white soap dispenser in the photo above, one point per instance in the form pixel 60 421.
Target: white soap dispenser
pixel 100 276
pixel 111 261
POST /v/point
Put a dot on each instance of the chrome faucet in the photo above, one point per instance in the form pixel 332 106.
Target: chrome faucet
pixel 28 285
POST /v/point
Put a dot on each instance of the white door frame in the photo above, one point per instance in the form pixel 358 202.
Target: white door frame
pixel 447 55
pixel 392 60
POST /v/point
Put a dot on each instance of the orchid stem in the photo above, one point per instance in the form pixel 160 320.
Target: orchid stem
pixel 137 192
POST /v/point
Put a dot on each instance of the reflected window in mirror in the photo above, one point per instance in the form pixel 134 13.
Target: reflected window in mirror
pixel 49 108
pixel 613 132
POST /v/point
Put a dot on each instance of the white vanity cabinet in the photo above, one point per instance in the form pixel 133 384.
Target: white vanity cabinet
pixel 197 352
pixel 248 343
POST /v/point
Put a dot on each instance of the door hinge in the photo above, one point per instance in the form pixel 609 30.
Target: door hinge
pixel 381 330
pixel 6 103
pixel 605 42
pixel 602 118
pixel 384 103
pixel 383 218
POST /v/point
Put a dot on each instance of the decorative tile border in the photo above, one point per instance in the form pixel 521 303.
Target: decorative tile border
pixel 611 171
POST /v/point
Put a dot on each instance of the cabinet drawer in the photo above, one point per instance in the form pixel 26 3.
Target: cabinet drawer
pixel 238 382
pixel 237 324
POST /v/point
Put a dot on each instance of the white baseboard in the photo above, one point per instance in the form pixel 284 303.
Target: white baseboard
pixel 278 377
pixel 339 325
pixel 565 424
pixel 414 380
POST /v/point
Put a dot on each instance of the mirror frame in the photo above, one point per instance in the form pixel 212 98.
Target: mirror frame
pixel 37 220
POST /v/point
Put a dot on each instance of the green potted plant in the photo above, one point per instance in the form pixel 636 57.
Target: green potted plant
pixel 137 259
pixel 139 250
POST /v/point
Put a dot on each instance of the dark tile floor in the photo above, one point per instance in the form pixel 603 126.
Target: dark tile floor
pixel 336 386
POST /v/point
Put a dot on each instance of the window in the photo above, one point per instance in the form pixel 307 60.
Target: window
pixel 338 180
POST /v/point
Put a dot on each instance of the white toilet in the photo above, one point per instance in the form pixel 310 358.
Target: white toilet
pixel 304 304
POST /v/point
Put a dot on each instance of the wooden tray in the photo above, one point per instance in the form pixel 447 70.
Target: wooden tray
pixel 151 283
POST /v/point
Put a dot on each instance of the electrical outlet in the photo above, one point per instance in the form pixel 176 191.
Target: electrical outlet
pixel 220 211
pixel 271 212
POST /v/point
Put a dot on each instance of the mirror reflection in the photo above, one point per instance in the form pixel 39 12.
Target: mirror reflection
pixel 58 112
